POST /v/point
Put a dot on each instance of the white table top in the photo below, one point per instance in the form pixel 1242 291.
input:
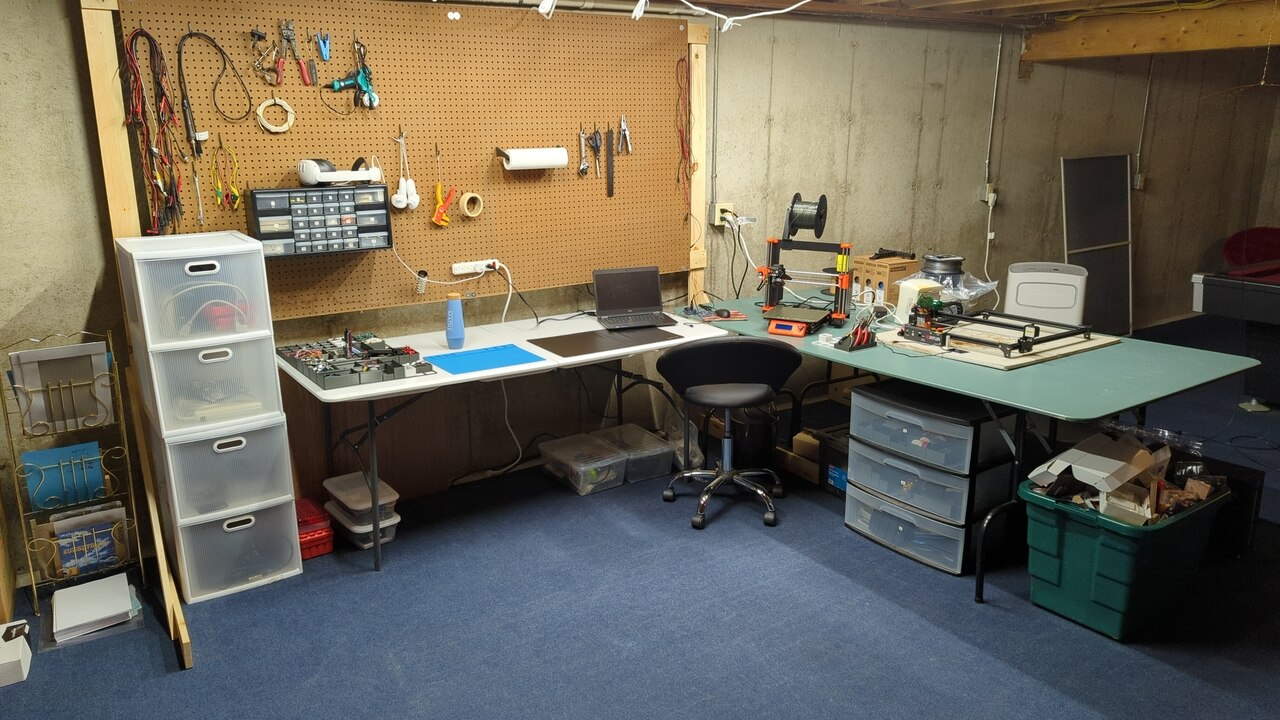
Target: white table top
pixel 518 333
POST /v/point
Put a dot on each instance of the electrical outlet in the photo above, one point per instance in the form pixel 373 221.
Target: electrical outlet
pixel 717 219
pixel 475 266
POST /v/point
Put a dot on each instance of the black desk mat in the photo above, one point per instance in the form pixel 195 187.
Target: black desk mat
pixel 594 341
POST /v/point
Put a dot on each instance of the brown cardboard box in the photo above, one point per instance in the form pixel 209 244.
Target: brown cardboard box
pixel 785 461
pixel 879 276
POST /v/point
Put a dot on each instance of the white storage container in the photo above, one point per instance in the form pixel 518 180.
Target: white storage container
pixel 203 285
pixel 240 551
pixel 351 492
pixel 588 464
pixel 909 533
pixel 951 432
pixel 361 535
pixel 210 386
pixel 940 494
pixel 648 456
pixel 211 472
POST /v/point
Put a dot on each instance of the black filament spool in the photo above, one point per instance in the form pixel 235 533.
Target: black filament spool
pixel 803 215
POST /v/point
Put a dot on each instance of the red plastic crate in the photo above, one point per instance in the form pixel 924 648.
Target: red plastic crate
pixel 311 516
pixel 316 543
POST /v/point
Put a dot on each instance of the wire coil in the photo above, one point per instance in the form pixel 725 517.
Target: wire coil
pixel 804 215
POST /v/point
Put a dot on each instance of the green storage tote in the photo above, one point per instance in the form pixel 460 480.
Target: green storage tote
pixel 1107 575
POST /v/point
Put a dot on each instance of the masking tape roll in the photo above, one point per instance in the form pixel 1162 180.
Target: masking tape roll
pixel 471 204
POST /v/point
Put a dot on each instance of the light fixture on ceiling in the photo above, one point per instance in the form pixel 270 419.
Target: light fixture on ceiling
pixel 641 6
pixel 546 8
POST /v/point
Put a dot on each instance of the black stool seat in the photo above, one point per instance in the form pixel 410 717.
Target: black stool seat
pixel 727 374
pixel 730 395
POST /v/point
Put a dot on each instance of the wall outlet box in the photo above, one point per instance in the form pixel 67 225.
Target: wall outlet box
pixel 715 213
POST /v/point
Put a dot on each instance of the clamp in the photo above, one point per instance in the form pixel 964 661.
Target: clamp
pixel 624 134
pixel 322 42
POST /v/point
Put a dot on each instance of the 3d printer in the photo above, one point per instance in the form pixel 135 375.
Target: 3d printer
pixel 803 215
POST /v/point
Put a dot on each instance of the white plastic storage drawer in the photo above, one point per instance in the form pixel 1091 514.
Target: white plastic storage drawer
pixel 954 435
pixel 222 383
pixel 237 552
pixel 219 471
pixel 210 288
pixel 909 533
pixel 940 494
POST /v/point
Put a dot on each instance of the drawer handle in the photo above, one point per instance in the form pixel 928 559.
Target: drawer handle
pixel 235 524
pixel 227 445
pixel 208 357
pixel 203 267
pixel 904 467
pixel 901 418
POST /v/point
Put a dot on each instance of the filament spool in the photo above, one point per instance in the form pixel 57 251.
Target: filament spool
pixel 804 215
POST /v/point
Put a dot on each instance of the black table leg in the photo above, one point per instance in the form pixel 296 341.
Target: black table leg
pixel 979 570
pixel 373 488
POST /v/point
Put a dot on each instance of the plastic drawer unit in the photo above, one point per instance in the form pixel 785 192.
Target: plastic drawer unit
pixel 211 472
pixel 648 456
pixel 951 498
pixel 239 551
pixel 588 464
pixel 204 386
pixel 201 286
pixel 938 544
pixel 1116 578
pixel 948 431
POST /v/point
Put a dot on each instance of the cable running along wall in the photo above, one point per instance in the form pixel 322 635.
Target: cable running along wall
pixel 494 78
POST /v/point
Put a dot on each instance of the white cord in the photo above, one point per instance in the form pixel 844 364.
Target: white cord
pixel 417 278
pixel 506 417
pixel 266 124
pixel 991 236
pixel 511 286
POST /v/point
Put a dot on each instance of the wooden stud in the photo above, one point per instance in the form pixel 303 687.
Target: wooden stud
pixel 8 580
pixel 1235 25
pixel 697 155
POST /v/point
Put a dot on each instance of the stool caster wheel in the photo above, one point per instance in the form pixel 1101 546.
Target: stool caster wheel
pixel 698 522
pixel 778 491
pixel 771 518
pixel 668 495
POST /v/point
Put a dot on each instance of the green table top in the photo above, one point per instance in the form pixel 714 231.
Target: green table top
pixel 1077 388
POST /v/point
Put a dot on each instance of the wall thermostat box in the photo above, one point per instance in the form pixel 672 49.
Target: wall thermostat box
pixel 317 221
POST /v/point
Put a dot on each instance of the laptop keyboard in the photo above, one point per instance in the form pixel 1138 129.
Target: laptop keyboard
pixel 616 320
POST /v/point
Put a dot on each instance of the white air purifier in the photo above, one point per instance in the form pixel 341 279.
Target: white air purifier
pixel 1053 292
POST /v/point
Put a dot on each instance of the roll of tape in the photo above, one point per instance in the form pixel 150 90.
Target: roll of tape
pixel 472 204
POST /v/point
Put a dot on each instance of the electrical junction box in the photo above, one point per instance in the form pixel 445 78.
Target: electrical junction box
pixel 311 221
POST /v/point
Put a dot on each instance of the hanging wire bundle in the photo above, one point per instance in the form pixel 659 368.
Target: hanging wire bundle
pixel 156 128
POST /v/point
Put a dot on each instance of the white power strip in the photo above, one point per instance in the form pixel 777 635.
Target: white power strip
pixel 475 266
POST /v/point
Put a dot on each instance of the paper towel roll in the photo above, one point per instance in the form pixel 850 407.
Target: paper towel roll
pixel 534 158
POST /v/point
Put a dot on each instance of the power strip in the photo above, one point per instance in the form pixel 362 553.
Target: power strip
pixel 475 266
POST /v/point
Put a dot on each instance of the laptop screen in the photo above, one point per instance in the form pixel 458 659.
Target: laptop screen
pixel 627 290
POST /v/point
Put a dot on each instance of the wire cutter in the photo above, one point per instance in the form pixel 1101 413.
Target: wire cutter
pixel 624 134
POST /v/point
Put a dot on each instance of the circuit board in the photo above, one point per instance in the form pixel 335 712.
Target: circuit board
pixel 354 359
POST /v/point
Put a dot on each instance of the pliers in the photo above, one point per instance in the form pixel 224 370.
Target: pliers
pixel 624 134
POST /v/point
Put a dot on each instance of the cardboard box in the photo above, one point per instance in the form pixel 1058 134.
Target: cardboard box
pixel 880 277
pixel 805 444
pixel 788 462
pixel 1099 461
pixel 15 653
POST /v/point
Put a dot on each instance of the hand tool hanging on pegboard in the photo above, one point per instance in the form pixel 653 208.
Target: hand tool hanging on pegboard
pixel 608 146
pixel 290 41
pixel 195 136
pixel 267 61
pixel 155 125
pixel 360 79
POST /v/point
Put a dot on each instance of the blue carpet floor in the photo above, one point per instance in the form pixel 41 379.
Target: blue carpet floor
pixel 519 599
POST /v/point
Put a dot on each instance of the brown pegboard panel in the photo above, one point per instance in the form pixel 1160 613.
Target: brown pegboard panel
pixel 496 77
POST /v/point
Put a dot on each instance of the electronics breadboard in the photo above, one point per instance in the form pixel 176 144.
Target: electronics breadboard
pixel 354 359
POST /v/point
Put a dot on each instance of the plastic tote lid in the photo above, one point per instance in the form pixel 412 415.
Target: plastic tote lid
pixel 352 491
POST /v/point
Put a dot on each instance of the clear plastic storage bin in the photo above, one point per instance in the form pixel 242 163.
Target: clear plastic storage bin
pixel 937 493
pixel 235 553
pixel 216 471
pixel 929 541
pixel 587 463
pixel 648 456
pixel 351 493
pixel 361 535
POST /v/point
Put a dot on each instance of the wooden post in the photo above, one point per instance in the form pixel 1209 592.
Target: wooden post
pixel 98 18
pixel 698 37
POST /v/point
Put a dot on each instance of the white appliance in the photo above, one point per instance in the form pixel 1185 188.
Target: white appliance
pixel 909 292
pixel 1048 291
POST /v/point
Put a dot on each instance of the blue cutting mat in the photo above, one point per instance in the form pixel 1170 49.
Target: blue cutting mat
pixel 457 363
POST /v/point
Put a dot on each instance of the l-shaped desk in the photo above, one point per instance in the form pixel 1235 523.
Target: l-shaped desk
pixel 1084 387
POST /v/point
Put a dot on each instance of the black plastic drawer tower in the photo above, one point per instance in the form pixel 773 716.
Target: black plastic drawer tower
pixel 924 466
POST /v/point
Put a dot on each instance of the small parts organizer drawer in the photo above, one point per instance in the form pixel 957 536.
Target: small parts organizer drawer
pixel 321 220
pixel 215 288
pixel 948 431
pixel 942 495
pixel 213 385
pixel 886 522
pixel 216 472
pixel 236 552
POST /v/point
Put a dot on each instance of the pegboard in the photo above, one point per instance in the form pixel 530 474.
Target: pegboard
pixel 496 77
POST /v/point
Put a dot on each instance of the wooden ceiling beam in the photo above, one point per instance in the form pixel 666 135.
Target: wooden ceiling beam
pixel 1234 25
pixel 1022 7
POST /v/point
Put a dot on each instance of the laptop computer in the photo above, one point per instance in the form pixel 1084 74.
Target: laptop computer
pixel 629 298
